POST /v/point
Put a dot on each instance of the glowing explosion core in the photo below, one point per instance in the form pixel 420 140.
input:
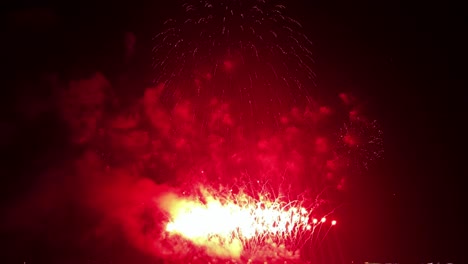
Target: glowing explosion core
pixel 238 225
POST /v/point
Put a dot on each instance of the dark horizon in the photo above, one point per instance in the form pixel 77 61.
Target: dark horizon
pixel 403 59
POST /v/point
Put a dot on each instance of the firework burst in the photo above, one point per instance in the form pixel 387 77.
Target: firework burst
pixel 230 157
pixel 234 123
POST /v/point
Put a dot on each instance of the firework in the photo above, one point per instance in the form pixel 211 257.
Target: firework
pixel 238 226
pixel 233 123
pixel 232 156
pixel 360 143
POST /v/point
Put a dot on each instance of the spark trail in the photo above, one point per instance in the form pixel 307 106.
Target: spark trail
pixel 246 52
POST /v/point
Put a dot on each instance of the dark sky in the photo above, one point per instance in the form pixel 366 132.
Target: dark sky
pixel 405 59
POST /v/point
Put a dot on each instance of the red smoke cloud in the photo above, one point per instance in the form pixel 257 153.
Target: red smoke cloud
pixel 129 157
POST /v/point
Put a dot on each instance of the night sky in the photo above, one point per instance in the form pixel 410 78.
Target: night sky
pixel 403 59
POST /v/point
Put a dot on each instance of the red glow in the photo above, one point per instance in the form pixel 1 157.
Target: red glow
pixel 228 65
pixel 321 144
pixel 325 110
pixel 345 98
pixel 331 164
pixel 353 115
pixel 350 140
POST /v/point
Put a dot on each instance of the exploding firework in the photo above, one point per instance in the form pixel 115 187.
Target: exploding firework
pixel 233 125
pixel 240 227
pixel 231 157
pixel 235 104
